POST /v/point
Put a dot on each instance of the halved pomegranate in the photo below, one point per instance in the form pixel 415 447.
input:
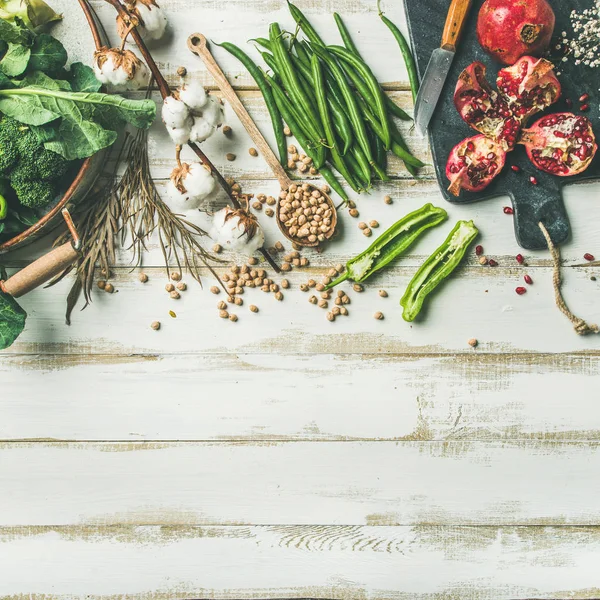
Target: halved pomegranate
pixel 473 164
pixel 562 144
pixel 483 108
pixel 529 86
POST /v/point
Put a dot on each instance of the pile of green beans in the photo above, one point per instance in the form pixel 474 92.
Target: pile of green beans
pixel 331 102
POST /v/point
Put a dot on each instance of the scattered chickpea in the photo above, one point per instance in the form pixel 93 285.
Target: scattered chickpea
pixel 271 201
pixel 234 269
pixel 279 296
pixel 223 314
pixel 292 149
pixel 344 311
pixel 176 276
pixel 340 268
pixel 325 295
pixel 286 266
pixel 303 168
pixel 351 204
pixel 239 290
pixel 253 308
pixel 358 288
pixel 346 300
pixel 226 130
pixel 221 305
pixel 353 212
pixel 291 164
pixel 279 246
pixel 175 295
pixel 181 71
pixel 311 283
pixel 304 262
pixel 383 293
pixel 313 300
pixel 338 301
pixel 143 278
pixel 287 131
pixel 387 199
pixel 230 299
pixel 274 287
pixel 214 289
pixel 473 343
pixel 233 318
pixel 374 224
pixel 320 287
pixel 336 310
pixel 101 284
pixel 362 225
pixel 155 325
pixel 296 261
pixel 313 171
pixel 253 261
pixel 330 316
pixel 285 284
pixel 238 302
pixel 378 315
pixel 269 212
pixel 170 287
pixel 257 205
pixel 296 246
pixel 323 303
pixel 230 156
pixel 182 286
pixel 483 260
pixel 332 272
pixel 253 152
pixel 367 232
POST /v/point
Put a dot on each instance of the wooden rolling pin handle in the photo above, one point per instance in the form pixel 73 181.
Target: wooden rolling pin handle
pixel 198 45
pixel 455 21
pixel 40 271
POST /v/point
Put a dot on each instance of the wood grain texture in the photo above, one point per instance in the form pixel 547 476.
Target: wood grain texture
pixel 300 483
pixel 247 397
pixel 341 563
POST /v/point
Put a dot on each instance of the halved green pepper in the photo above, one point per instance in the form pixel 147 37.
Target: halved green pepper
pixel 391 243
pixel 437 267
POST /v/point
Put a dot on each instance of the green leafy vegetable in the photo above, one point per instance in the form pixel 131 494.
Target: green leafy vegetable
pixel 12 320
pixel 83 78
pixel 15 61
pixel 14 33
pixel 35 14
pixel 47 55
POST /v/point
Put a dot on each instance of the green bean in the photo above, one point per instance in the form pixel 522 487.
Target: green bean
pixel 345 34
pixel 396 147
pixel 260 80
pixel 380 164
pixel 349 98
pixel 319 89
pixel 409 60
pixel 292 84
pixel 363 164
pixel 342 125
pixel 364 71
pixel 301 53
pixel 264 42
pixel 331 179
pixel 305 25
pixel 356 169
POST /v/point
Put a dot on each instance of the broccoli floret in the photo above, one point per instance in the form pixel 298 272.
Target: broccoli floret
pixel 9 152
pixel 32 193
pixel 50 165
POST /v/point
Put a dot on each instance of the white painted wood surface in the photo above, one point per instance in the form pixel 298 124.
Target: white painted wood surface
pixel 284 456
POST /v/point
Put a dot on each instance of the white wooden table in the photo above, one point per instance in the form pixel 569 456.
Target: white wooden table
pixel 286 456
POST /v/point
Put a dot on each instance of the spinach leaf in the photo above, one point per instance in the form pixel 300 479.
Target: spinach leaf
pixel 39 79
pixel 83 78
pixel 77 137
pixel 15 60
pixel 26 109
pixel 12 320
pixel 15 33
pixel 47 54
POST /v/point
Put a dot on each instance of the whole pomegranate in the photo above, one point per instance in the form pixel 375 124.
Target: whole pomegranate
pixel 562 144
pixel 473 164
pixel 509 29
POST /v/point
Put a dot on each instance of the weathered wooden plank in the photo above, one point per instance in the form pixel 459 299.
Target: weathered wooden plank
pixel 342 563
pixel 296 483
pixel 254 397
pixel 478 302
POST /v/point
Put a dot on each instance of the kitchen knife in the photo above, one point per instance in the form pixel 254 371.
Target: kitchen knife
pixel 439 65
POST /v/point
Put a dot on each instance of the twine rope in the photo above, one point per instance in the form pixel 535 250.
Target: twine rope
pixel 581 327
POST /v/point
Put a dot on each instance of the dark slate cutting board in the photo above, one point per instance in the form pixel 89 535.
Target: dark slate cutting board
pixel 531 203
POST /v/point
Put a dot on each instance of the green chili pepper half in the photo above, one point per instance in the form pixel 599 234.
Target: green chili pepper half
pixel 391 243
pixel 437 267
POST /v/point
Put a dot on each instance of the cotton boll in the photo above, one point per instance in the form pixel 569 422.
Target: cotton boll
pixel 181 135
pixel 189 186
pixel 153 19
pixel 237 230
pixel 194 95
pixel 121 69
pixel 175 113
pixel 201 130
pixel 213 112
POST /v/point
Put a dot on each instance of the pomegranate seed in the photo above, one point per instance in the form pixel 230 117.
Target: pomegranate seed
pixel 479 250
pixel 508 210
pixel 588 256
pixel 520 259
pixel 528 279
pixel 515 168
pixel 584 98
pixel 521 291
pixel 533 180
pixel 568 102
pixel 584 107
pixel 492 263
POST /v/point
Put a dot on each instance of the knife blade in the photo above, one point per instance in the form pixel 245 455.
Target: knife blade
pixel 431 87
pixel 439 65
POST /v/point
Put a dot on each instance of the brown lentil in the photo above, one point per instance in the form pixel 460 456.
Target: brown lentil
pixel 101 284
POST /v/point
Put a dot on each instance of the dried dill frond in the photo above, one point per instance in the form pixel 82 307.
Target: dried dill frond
pixel 144 212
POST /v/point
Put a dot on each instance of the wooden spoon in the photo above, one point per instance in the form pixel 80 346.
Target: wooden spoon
pixel 198 45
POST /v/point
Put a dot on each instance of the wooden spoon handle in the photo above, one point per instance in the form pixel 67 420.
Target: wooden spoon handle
pixel 198 45
pixel 40 271
pixel 457 15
